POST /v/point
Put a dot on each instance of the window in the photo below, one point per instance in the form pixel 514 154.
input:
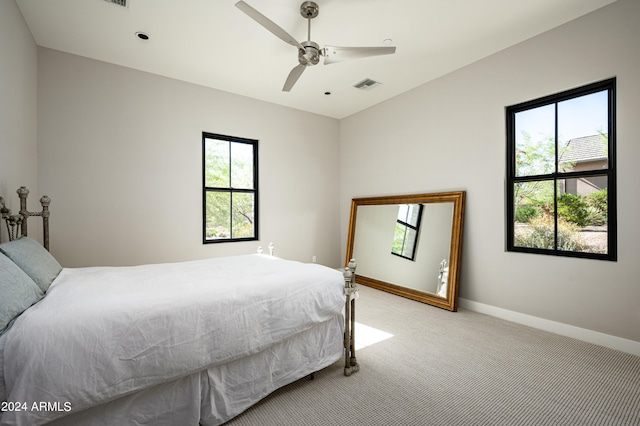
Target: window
pixel 407 229
pixel 561 180
pixel 230 188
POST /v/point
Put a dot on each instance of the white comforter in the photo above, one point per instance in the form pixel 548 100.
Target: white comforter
pixel 104 332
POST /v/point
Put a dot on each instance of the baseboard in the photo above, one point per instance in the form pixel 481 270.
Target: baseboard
pixel 613 342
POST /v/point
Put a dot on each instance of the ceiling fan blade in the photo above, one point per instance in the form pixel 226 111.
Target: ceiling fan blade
pixel 268 24
pixel 294 75
pixel 333 54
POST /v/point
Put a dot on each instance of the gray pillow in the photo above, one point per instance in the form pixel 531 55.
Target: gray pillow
pixel 33 259
pixel 17 292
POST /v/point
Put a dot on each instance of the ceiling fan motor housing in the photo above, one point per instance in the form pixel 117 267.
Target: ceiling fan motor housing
pixel 311 53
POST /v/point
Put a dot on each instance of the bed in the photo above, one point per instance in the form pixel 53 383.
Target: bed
pixel 184 343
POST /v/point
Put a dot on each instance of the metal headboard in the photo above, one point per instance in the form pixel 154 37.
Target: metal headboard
pixel 17 223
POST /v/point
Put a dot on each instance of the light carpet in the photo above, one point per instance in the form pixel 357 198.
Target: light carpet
pixel 459 368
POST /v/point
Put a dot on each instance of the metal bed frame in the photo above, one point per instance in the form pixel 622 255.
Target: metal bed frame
pixel 17 226
pixel 17 223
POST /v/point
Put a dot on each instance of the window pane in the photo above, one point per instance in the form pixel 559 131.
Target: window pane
pixel 404 241
pixel 398 239
pixel 535 143
pixel 583 214
pixel 403 212
pixel 243 215
pixel 216 163
pixel 218 214
pixel 409 243
pixel 241 165
pixel 583 132
pixel 534 224
pixel 414 214
pixel 409 213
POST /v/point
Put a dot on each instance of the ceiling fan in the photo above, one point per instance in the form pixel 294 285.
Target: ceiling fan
pixel 309 52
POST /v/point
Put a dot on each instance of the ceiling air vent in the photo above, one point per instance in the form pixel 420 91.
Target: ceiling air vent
pixel 122 3
pixel 367 84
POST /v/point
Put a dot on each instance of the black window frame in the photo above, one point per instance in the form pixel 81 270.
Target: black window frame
pixel 609 172
pixel 415 228
pixel 207 189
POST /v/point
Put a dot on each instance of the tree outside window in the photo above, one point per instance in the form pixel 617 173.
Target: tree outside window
pixel 561 174
pixel 230 188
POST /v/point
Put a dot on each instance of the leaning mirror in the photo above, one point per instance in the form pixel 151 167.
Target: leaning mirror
pixel 409 245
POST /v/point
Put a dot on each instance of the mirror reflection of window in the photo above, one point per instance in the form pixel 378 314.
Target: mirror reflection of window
pixel 407 229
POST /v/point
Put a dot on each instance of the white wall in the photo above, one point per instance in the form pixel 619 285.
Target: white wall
pixel 452 134
pixel 120 154
pixel 18 109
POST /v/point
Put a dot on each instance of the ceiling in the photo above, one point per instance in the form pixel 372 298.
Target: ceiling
pixel 212 43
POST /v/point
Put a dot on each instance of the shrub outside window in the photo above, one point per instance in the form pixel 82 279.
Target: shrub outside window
pixel 230 188
pixel 561 180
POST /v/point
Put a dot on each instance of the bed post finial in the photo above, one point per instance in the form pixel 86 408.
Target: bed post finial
pixel 352 266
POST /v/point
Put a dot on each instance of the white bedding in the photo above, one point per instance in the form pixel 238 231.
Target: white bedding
pixel 219 393
pixel 104 332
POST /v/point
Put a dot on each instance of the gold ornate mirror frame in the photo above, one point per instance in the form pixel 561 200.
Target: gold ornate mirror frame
pixel 448 302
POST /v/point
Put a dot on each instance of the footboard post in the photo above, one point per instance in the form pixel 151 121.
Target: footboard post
pixel 45 201
pixel 350 291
